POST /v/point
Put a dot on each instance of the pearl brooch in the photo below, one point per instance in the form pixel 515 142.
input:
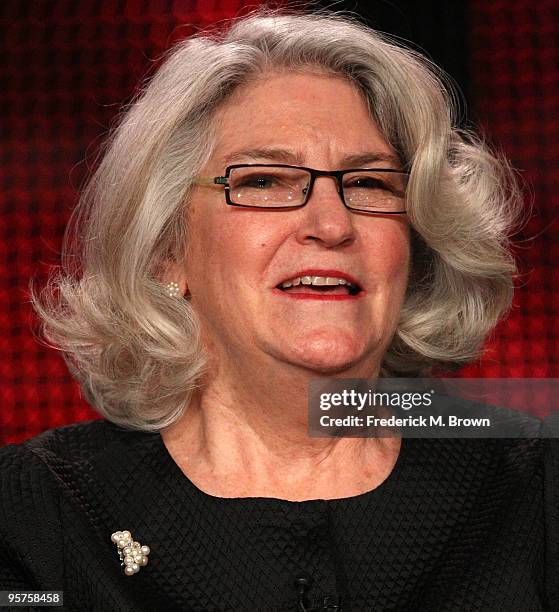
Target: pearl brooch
pixel 131 553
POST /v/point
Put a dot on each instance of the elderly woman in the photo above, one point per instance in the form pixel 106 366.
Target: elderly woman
pixel 285 201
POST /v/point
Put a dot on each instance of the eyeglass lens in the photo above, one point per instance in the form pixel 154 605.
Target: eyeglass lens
pixel 276 187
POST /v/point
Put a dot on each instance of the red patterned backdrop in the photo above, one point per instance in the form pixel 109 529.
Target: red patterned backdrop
pixel 68 67
pixel 514 73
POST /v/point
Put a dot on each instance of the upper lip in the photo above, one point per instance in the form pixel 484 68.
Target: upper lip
pixel 321 272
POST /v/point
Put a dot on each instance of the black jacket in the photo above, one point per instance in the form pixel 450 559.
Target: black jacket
pixel 460 525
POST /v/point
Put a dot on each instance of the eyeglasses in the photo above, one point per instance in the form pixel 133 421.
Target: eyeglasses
pixel 269 186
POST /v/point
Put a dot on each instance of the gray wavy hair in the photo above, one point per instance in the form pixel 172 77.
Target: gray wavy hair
pixel 136 352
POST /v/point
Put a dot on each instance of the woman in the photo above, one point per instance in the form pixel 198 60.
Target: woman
pixel 284 201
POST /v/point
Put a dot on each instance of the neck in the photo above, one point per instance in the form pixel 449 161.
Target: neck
pixel 246 436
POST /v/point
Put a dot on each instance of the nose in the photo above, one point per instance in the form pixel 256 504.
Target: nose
pixel 324 218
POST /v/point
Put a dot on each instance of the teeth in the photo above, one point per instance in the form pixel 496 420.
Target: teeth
pixel 319 281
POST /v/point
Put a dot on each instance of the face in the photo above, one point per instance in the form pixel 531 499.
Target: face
pixel 239 257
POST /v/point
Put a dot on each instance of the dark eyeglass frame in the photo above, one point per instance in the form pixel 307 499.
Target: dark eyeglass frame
pixel 337 174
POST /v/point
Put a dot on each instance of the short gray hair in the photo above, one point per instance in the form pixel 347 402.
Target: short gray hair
pixel 136 352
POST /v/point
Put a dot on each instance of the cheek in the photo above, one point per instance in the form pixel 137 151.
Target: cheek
pixel 246 238
pixel 390 253
pixel 229 244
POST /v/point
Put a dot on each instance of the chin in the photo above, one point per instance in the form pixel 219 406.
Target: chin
pixel 326 353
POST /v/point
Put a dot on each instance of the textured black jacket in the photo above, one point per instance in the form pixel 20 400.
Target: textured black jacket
pixel 460 525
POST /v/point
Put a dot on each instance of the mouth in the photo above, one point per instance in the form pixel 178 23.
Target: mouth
pixel 321 284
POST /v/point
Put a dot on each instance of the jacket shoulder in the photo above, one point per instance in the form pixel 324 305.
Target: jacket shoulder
pixel 79 441
pixel 29 520
pixel 34 476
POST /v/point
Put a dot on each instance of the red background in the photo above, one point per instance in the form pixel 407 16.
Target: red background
pixel 69 66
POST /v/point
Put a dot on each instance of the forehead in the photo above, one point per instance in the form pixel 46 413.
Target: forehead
pixel 302 115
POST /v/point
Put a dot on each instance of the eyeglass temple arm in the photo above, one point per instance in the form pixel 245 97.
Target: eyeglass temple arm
pixel 208 180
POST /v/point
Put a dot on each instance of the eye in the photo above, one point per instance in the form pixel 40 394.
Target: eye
pixel 258 181
pixel 367 182
pixel 374 183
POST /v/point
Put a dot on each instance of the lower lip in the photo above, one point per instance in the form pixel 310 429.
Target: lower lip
pixel 318 296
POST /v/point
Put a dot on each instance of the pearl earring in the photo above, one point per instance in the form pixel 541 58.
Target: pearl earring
pixel 173 289
pixel 132 554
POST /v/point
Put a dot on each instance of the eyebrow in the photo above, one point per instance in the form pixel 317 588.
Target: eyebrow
pixel 285 156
